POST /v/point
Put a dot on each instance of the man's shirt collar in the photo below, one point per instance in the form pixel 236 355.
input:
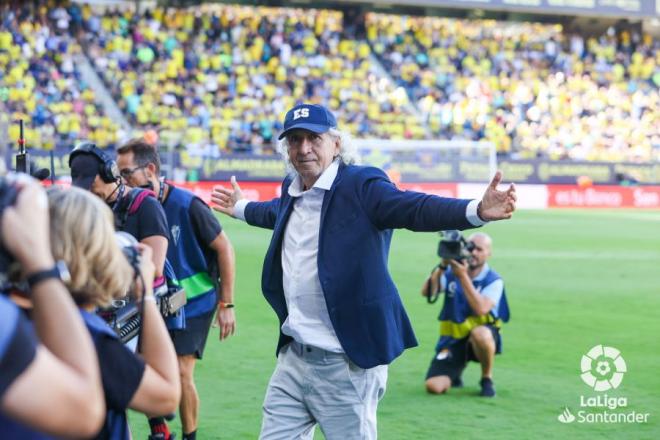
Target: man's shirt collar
pixel 324 182
pixel 482 273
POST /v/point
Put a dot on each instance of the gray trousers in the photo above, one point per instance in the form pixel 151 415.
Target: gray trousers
pixel 312 386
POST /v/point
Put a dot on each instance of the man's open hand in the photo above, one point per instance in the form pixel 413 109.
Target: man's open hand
pixel 495 204
pixel 225 199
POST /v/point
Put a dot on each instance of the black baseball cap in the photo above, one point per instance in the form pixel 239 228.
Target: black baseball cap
pixel 310 117
pixel 84 169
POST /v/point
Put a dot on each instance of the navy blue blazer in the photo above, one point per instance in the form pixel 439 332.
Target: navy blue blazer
pixel 357 217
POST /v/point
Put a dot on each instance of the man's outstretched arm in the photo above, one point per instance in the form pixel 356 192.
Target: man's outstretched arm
pixel 234 204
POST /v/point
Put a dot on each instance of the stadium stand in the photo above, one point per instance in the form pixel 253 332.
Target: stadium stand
pixel 40 81
pixel 218 78
pixel 221 77
pixel 528 87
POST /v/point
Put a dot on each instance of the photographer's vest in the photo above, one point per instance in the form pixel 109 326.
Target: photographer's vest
pixel 457 319
pixel 115 426
pixel 9 315
pixel 186 256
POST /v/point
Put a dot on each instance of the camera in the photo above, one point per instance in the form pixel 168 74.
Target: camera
pixel 10 270
pixel 453 246
pixel 8 195
pixel 123 315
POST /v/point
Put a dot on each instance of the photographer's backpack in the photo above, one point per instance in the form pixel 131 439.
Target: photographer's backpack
pixel 129 205
pixel 171 298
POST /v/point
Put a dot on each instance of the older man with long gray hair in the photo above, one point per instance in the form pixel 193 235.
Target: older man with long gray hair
pixel 325 275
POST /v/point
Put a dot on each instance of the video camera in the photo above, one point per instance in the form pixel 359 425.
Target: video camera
pixel 123 316
pixel 453 246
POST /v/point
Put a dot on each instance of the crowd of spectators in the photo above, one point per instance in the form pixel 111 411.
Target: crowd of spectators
pixel 532 89
pixel 40 81
pixel 220 77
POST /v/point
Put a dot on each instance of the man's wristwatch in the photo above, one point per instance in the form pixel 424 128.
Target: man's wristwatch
pixel 225 305
pixel 59 271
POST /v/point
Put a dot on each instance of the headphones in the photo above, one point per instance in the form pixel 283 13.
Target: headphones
pixel 108 171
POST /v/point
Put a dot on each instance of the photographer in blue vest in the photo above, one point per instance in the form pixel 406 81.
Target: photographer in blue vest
pixel 474 308
pixel 202 258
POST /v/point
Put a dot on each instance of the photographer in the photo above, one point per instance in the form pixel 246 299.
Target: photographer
pixel 82 235
pixel 72 405
pixel 474 308
pixel 203 259
pixel 135 211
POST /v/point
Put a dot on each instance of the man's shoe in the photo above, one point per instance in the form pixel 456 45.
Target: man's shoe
pixel 457 383
pixel 487 388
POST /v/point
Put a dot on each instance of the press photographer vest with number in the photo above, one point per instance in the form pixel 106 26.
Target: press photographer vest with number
pixel 456 317
pixel 187 257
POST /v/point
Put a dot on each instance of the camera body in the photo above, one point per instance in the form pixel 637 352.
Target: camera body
pixel 8 194
pixel 123 315
pixel 9 267
pixel 453 246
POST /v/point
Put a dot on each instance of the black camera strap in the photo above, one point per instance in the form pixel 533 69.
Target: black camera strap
pixel 432 297
pixel 161 191
pixel 138 275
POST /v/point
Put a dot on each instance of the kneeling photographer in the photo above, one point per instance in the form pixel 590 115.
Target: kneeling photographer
pixel 474 308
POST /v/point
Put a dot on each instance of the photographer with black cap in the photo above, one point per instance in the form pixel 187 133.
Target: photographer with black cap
pixel 72 405
pixel 474 308
pixel 135 211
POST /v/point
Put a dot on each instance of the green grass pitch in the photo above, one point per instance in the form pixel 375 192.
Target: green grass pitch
pixel 574 279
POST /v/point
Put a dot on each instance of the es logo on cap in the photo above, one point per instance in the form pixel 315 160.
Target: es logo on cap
pixel 301 113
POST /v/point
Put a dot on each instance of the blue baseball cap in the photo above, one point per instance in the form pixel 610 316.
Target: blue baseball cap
pixel 310 117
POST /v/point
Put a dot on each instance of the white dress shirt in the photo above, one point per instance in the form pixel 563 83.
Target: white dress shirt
pixel 308 321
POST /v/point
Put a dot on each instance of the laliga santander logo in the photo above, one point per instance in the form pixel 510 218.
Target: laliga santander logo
pixel 603 368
